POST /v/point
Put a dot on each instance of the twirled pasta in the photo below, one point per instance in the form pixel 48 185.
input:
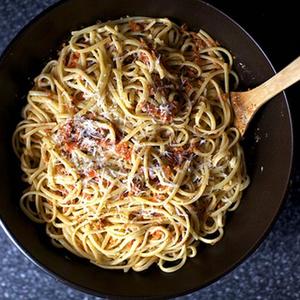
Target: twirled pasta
pixel 127 144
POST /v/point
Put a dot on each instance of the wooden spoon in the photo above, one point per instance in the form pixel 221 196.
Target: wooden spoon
pixel 246 104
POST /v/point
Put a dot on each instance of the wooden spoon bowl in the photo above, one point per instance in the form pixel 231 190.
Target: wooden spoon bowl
pixel 246 104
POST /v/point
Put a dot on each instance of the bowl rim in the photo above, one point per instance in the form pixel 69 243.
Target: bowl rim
pixel 247 254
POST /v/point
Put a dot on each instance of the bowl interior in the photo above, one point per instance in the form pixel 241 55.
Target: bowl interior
pixel 268 147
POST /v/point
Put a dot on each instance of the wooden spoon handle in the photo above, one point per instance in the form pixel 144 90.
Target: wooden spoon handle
pixel 285 78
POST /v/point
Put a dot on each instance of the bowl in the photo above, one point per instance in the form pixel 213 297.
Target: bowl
pixel 268 147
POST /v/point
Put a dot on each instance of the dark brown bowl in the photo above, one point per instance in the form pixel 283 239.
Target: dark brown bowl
pixel 268 147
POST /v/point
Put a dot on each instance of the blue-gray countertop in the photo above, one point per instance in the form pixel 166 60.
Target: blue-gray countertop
pixel 272 272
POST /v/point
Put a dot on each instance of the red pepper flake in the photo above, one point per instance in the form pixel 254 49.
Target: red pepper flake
pixel 60 169
pixel 167 170
pixel 160 197
pixel 70 109
pixel 156 235
pixel 135 27
pixel 73 201
pixel 144 58
pixel 129 244
pixel 101 224
pixel 92 173
pixel 70 146
pixel 48 131
pixel 87 196
pixel 73 60
pixel 106 183
pixel 153 199
pixel 125 149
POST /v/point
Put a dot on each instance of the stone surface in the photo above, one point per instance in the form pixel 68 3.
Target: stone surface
pixel 272 272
